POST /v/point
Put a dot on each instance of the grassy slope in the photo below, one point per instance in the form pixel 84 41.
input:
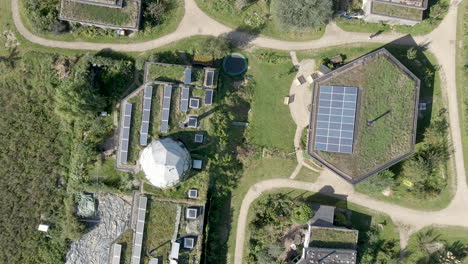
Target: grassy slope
pixel 170 24
pixel 307 175
pixel 159 228
pixel 448 234
pixel 249 18
pixel 462 78
pixel 361 217
pixel 271 123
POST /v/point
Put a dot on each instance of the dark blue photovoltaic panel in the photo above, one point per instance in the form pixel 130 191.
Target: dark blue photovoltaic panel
pixel 335 120
pixel 184 98
pixel 209 78
pixel 125 132
pixel 166 108
pixel 193 122
pixel 148 95
pixel 208 96
pixel 188 76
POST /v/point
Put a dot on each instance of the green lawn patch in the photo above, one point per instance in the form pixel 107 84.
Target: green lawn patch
pixel 165 72
pixel 396 11
pixel 159 228
pixel 307 175
pixel 271 124
pixel 333 238
pixel 126 240
pixel 453 239
pixel 127 16
pixel 254 18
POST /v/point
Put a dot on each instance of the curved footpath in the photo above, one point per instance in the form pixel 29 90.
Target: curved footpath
pixel 441 43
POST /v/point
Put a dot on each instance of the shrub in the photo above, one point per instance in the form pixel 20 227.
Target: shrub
pixel 302 14
pixel 411 54
pixel 301 214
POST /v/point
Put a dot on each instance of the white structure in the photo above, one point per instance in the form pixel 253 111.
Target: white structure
pixel 164 162
pixel 43 228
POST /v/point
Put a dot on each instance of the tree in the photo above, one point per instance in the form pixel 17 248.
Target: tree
pixel 215 47
pixel 302 214
pixel 155 11
pixel 301 14
pixel 411 54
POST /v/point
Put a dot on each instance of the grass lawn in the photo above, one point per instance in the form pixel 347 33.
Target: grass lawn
pixel 171 20
pixel 159 228
pixel 271 124
pixel 127 16
pixel 396 11
pixel 446 235
pixel 164 73
pixel 126 240
pixel 332 238
pixel 385 140
pixel 254 18
pixel 462 75
pixel 361 218
pixel 307 175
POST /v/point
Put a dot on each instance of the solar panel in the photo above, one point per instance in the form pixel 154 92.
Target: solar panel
pixel 208 96
pixel 188 76
pixel 336 114
pixel 146 115
pixel 192 122
pixel 194 103
pixel 189 242
pixel 136 252
pixel 166 108
pixel 116 254
pixel 125 132
pixel 184 98
pixel 198 138
pixel 209 78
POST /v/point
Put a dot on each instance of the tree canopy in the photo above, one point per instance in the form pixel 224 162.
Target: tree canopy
pixel 301 14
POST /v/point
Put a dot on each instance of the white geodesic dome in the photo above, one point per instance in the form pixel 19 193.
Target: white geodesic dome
pixel 164 162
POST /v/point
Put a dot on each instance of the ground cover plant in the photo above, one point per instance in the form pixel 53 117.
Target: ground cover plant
pixel 127 16
pixel 301 14
pixel 396 11
pixel 330 238
pixel 436 245
pixel 271 224
pixel 389 138
pixel 165 73
pixel 159 227
pixel 157 18
pixel 255 17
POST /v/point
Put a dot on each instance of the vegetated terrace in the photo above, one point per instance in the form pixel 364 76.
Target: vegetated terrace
pixel 127 16
pixel 172 73
pixel 396 11
pixel 383 87
pixel 333 238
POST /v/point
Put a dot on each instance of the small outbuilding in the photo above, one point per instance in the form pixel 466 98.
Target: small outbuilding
pixel 165 162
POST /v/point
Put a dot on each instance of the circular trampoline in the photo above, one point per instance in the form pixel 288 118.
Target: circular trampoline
pixel 235 64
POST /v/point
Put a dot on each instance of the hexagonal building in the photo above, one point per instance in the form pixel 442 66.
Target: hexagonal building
pixel 364 116
pixel 164 162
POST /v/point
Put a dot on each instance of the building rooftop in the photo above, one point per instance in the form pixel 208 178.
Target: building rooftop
pixel 315 255
pixel 379 128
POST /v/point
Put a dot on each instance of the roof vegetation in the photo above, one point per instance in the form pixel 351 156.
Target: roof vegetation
pixel 396 11
pixel 127 16
pixel 333 238
pixel 386 92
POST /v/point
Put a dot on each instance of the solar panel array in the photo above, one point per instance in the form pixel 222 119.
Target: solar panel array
pixel 208 96
pixel 140 226
pixel 146 115
pixel 166 107
pixel 127 116
pixel 336 114
pixel 116 254
pixel 188 76
pixel 192 122
pixel 184 99
pixel 209 78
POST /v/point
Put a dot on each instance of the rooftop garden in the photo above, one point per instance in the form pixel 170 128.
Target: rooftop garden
pixel 333 238
pixel 173 73
pixel 396 11
pixel 127 16
pixel 159 228
pixel 383 87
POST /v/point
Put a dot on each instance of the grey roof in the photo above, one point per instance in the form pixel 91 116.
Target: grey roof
pixel 315 255
pixel 323 215
pixel 324 69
